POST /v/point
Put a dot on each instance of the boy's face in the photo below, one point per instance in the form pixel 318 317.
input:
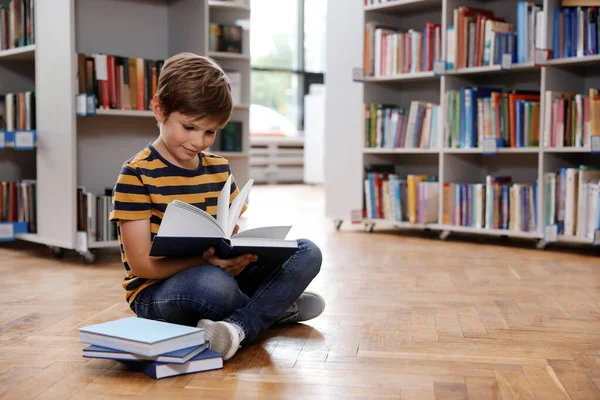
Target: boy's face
pixel 185 137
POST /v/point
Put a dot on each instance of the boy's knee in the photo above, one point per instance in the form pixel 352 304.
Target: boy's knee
pixel 314 256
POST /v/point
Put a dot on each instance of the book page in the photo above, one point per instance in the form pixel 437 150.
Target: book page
pixel 267 232
pixel 181 220
pixel 236 207
pixel 223 206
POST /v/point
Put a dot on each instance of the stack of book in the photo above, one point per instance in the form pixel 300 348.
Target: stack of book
pixel 158 349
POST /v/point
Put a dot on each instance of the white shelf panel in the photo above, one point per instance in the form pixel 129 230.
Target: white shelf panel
pixel 415 76
pixel 103 245
pixel 573 239
pixel 37 238
pixel 567 150
pixel 232 154
pixel 228 56
pixel 19 53
pixel 502 150
pixel 399 224
pixel 400 151
pixel 492 69
pixel 404 5
pixel 490 232
pixel 125 113
pixel 575 60
pixel 228 5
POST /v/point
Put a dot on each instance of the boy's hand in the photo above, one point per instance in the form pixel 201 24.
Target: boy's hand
pixel 236 229
pixel 234 265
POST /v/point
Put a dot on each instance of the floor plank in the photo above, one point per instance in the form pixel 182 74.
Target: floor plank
pixel 407 317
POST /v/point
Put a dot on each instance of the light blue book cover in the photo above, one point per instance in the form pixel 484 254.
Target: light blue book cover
pixel 140 330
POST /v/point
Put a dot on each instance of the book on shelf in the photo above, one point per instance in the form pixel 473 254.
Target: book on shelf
pixel 229 138
pixel 118 82
pixel 93 212
pixel 187 230
pixel 158 349
pixel 499 203
pixel 17 24
pixel 477 37
pixel 478 113
pixel 571 119
pixel 18 203
pixel 392 126
pixel 575 31
pixel 413 198
pixel 389 51
pixel 225 37
pixel 572 200
pixel 17 111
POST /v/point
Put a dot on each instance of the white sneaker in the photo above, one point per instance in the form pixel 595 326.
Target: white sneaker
pixel 223 337
pixel 308 306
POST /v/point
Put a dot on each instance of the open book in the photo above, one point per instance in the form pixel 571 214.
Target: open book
pixel 187 230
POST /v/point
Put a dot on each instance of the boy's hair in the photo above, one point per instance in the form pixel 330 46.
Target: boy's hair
pixel 194 85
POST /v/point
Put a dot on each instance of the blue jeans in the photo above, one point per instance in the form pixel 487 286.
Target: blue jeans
pixel 253 299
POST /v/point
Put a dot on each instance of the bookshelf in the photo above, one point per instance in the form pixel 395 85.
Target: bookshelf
pixel 457 169
pixel 76 158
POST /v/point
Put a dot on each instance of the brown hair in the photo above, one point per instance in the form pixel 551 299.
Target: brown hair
pixel 196 86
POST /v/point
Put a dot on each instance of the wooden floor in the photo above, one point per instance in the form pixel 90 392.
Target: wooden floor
pixel 407 317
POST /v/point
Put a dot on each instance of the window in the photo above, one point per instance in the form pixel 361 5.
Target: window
pixel 287 49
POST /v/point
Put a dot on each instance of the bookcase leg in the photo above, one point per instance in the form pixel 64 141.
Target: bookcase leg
pixel 338 223
pixel 444 235
pixel 369 226
pixel 88 256
pixel 57 252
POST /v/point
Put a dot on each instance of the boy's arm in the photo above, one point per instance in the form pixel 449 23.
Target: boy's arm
pixel 136 242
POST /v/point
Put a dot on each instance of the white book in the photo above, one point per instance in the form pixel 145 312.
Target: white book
pixel 571 202
pixel 187 230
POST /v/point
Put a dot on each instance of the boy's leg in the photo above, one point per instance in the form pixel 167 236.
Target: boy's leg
pixel 273 289
pixel 190 295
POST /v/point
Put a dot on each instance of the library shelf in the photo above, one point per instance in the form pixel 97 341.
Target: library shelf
pixel 413 76
pixel 503 150
pixel 23 53
pixel 574 61
pixel 400 150
pixel 573 239
pixel 567 150
pixel 228 5
pixel 229 55
pixel 123 113
pixel 489 232
pixel 396 6
pixel 489 69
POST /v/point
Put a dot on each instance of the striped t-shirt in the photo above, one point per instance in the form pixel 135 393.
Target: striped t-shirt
pixel 148 182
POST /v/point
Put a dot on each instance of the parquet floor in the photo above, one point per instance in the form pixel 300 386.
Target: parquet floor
pixel 407 318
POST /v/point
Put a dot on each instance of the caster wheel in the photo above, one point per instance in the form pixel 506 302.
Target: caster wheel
pixel 369 227
pixel 89 257
pixel 57 252
pixel 444 235
pixel 540 245
pixel 338 223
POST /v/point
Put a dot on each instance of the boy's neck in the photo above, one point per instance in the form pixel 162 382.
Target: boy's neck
pixel 160 146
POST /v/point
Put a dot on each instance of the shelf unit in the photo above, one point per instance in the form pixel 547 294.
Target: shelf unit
pixel 347 96
pixel 87 151
pixel 276 159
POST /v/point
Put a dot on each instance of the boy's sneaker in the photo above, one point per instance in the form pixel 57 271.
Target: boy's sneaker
pixel 308 306
pixel 223 336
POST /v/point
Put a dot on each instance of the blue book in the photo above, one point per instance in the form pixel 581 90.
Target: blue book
pixel 142 336
pixel 567 48
pixel 556 33
pixel 177 357
pixel 205 361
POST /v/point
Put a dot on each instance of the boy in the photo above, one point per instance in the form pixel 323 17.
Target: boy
pixel 233 300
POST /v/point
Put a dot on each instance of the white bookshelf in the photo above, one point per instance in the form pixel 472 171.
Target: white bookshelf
pixel 87 151
pixel 345 142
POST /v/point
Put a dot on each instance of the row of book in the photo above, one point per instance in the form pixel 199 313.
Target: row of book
pixel 123 83
pixel 156 348
pixel 478 37
pixel 392 126
pixel 475 113
pixel 17 111
pixel 571 119
pixel 389 51
pixel 93 213
pixel 573 200
pixel 497 204
pixel 575 32
pixel 413 198
pixel 18 203
pixel 17 24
